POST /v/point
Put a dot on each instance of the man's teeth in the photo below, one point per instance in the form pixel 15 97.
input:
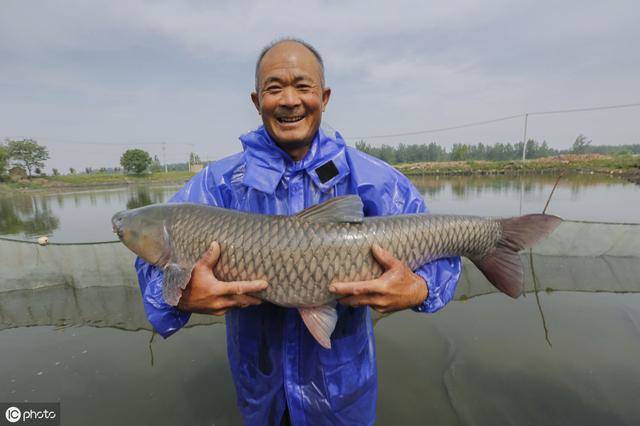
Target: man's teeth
pixel 290 119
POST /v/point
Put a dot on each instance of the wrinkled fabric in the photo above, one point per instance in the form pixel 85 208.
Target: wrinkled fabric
pixel 274 360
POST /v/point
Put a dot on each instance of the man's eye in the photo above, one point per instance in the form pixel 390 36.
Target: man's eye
pixel 273 89
pixel 303 87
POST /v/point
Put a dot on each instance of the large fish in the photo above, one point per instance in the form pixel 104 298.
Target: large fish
pixel 299 256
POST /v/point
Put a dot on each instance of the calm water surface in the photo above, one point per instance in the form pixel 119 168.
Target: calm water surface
pixel 85 216
pixel 480 361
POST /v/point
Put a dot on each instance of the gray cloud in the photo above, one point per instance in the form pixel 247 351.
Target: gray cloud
pixel 181 72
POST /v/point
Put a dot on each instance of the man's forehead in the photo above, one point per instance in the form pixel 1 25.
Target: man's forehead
pixel 287 57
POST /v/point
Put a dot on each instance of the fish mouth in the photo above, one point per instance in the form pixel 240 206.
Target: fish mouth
pixel 290 119
pixel 116 225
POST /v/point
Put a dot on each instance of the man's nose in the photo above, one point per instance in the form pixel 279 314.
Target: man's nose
pixel 289 97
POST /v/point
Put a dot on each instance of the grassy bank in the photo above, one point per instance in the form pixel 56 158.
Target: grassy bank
pixel 627 166
pixel 67 182
pixel 624 166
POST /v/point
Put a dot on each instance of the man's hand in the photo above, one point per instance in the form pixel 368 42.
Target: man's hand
pixel 205 294
pixel 396 289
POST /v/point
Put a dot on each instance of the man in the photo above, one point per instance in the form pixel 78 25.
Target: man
pixel 281 373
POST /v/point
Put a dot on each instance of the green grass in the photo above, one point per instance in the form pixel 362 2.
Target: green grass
pixel 105 178
pixel 618 164
pixel 92 180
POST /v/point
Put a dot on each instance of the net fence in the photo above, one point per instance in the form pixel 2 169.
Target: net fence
pixel 95 283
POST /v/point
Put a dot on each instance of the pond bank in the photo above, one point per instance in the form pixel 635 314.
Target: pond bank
pixel 622 166
pixel 93 181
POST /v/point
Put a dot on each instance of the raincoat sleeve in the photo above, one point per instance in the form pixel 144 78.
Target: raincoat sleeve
pixel 441 275
pixel 164 318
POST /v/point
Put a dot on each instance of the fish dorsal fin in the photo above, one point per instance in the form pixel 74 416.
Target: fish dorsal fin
pixel 347 208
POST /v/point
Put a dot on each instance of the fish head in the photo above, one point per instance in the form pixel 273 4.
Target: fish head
pixel 144 232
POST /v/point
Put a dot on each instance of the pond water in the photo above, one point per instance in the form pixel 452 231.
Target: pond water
pixel 554 357
pixel 84 216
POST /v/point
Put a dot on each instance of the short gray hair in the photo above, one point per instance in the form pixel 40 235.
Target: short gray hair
pixel 274 43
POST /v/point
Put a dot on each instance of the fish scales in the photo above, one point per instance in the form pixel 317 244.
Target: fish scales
pixel 300 258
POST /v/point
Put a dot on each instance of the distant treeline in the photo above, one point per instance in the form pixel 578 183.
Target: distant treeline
pixel 404 153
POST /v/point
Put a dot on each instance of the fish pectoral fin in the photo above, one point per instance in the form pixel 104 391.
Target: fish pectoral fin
pixel 320 321
pixel 347 208
pixel 176 278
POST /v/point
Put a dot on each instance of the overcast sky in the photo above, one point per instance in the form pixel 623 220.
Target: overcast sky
pixel 113 74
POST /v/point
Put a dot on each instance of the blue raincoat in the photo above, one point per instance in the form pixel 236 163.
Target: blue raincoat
pixel 275 362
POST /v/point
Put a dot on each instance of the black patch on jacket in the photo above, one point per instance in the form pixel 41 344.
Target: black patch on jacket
pixel 327 171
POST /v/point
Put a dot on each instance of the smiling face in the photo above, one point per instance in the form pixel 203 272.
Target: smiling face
pixel 290 96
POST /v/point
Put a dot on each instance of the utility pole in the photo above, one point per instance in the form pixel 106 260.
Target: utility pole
pixel 192 151
pixel 524 138
pixel 164 156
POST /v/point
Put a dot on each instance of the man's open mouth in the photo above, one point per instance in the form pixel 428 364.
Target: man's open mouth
pixel 292 119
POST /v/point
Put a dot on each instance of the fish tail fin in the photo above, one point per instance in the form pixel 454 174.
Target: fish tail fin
pixel 502 266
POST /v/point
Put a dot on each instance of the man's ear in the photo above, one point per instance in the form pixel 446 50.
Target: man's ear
pixel 256 101
pixel 326 94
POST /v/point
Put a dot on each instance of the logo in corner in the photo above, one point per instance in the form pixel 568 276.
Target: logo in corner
pixel 13 414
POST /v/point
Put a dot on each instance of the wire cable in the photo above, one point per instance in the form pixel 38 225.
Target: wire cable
pixel 441 129
pixel 495 120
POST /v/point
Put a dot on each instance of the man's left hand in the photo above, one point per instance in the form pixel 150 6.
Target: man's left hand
pixel 396 289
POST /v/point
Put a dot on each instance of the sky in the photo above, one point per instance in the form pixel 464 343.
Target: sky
pixel 90 79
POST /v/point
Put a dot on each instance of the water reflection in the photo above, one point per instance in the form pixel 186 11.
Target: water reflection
pixel 80 216
pixel 140 198
pixel 581 197
pixel 26 215
pixel 466 186
pixel 84 216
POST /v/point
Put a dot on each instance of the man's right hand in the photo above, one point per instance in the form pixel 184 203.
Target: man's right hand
pixel 205 294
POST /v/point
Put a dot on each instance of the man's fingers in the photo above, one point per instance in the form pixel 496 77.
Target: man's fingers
pixel 379 303
pixel 356 287
pixel 384 257
pixel 224 303
pixel 243 300
pixel 357 301
pixel 239 287
pixel 210 257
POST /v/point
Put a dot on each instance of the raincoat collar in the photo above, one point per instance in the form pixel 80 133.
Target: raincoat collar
pixel 267 163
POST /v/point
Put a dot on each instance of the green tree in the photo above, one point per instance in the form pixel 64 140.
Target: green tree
pixel 72 171
pixel 4 160
pixel 459 152
pixel 28 152
pixel 155 165
pixel 387 153
pixel 581 144
pixel 55 172
pixel 135 161
pixel 362 146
